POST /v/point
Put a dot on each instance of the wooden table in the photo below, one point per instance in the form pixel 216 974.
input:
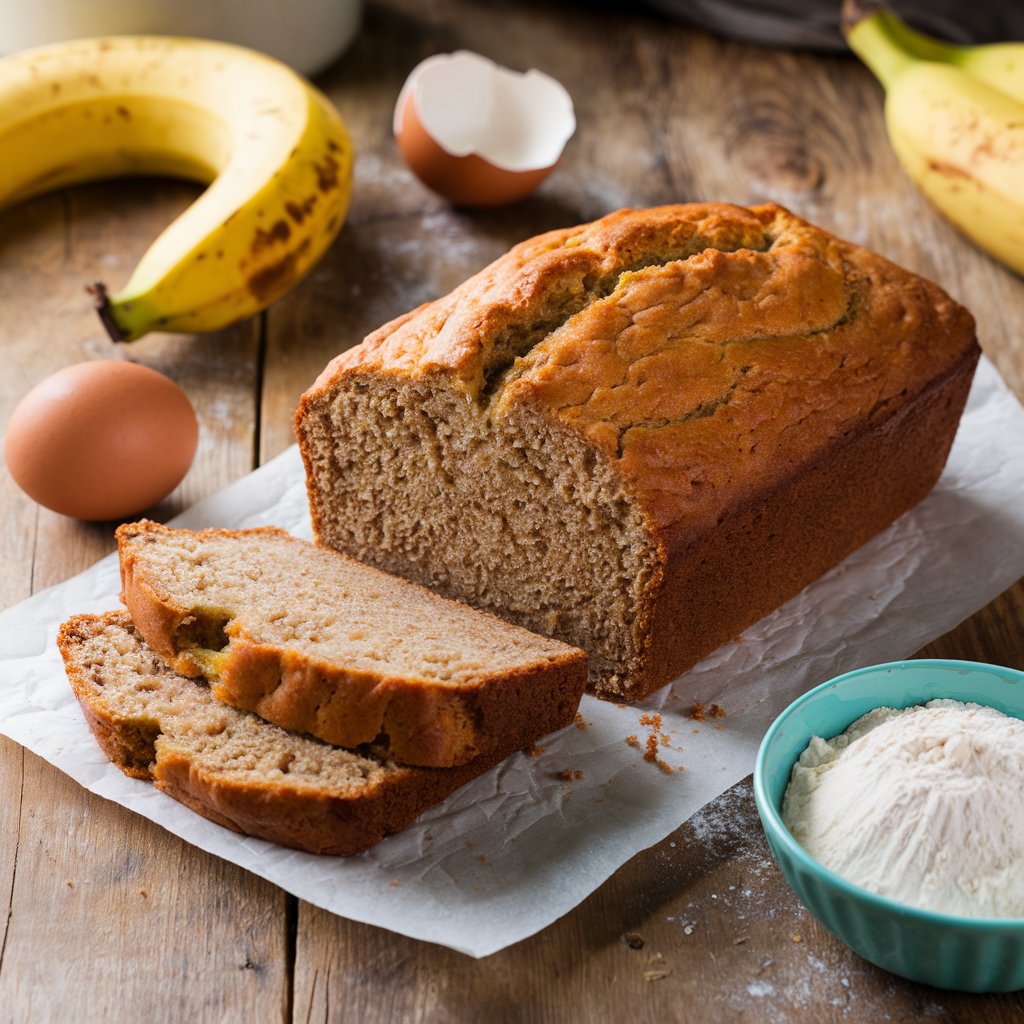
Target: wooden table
pixel 110 918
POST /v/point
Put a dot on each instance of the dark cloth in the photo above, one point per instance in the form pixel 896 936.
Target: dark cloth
pixel 814 24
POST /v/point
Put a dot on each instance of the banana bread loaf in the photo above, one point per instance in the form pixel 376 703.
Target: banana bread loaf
pixel 231 766
pixel 315 642
pixel 642 434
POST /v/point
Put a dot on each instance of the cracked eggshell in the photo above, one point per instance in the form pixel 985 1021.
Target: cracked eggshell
pixel 480 134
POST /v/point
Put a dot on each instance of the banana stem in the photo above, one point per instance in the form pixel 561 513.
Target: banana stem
pixel 101 301
pixel 852 12
pixel 871 34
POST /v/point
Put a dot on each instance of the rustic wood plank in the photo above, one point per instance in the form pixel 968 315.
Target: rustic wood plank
pixel 108 914
pixel 106 903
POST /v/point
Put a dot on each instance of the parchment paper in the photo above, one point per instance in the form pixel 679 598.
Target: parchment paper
pixel 519 847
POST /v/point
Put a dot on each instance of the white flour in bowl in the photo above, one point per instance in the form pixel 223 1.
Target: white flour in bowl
pixel 924 805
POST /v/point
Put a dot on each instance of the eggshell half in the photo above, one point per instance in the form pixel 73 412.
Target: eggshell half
pixel 101 440
pixel 480 134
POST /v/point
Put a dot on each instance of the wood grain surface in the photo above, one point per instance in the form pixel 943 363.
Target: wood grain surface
pixel 111 919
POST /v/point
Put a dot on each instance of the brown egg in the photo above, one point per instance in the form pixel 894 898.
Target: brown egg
pixel 101 440
pixel 479 134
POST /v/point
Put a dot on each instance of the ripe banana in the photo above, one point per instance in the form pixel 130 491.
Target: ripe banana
pixel 999 64
pixel 955 117
pixel 273 150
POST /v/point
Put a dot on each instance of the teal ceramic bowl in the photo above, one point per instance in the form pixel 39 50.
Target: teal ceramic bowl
pixel 963 953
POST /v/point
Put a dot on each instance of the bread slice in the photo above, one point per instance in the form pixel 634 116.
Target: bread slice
pixel 231 766
pixel 318 643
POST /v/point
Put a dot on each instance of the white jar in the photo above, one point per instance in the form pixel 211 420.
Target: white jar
pixel 307 34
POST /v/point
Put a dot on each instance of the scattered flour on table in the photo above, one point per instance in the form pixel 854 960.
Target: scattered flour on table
pixel 922 805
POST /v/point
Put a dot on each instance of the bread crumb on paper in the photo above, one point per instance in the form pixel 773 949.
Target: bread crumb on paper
pixel 653 722
pixel 656 739
pixel 699 713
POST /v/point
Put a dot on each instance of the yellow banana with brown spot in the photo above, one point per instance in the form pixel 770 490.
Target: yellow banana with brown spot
pixel 274 152
pixel 955 117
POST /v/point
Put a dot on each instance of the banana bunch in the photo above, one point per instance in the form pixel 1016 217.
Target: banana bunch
pixel 955 117
pixel 273 151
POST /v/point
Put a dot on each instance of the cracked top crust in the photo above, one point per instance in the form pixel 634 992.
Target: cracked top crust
pixel 678 338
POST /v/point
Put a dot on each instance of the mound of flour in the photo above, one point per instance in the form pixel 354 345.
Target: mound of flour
pixel 924 805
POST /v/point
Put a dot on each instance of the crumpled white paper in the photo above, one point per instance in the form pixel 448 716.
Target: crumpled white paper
pixel 519 847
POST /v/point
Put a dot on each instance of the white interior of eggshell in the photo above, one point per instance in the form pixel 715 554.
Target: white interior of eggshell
pixel 469 104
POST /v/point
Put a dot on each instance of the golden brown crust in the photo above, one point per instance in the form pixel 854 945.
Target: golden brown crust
pixel 460 333
pixel 304 817
pixel 418 721
pixel 725 361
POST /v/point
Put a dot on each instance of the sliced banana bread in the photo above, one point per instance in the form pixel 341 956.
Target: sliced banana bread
pixel 318 643
pixel 231 766
pixel 641 435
